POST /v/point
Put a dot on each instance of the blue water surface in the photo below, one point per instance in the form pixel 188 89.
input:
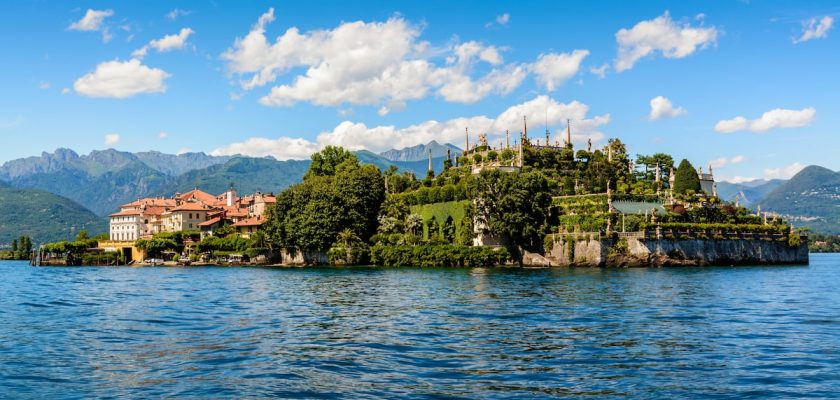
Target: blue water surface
pixel 216 332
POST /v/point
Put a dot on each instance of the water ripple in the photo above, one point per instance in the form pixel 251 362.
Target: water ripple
pixel 752 332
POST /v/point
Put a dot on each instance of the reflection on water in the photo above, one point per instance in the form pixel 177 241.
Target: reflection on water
pixel 372 333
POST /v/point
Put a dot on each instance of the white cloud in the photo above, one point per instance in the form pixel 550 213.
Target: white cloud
pixel 44 85
pixel 65 90
pixel 166 43
pixel 174 14
pixel 183 150
pixel 163 135
pixel 661 107
pixel 553 69
pixel 663 35
pixel 503 19
pixel 92 21
pixel 358 136
pixel 283 148
pixel 776 118
pixel 112 139
pixel 121 79
pixel 815 29
pixel 783 172
pixel 601 71
pixel 382 64
pixel 723 161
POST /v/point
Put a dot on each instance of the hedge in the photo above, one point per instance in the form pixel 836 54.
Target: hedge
pixel 438 256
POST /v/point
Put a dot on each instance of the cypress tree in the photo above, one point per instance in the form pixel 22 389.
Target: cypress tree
pixel 686 178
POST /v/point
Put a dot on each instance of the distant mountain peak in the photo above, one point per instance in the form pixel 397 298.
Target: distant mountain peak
pixel 419 152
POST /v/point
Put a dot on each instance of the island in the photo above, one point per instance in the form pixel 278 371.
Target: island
pixel 525 201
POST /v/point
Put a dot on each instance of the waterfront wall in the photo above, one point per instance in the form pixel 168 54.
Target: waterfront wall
pixel 297 257
pixel 640 252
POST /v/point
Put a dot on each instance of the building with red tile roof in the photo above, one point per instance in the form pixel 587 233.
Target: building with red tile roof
pixel 193 210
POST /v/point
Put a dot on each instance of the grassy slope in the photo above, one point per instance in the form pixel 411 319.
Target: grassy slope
pixel 457 209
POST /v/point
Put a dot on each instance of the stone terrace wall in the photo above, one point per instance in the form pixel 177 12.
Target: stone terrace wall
pixel 675 252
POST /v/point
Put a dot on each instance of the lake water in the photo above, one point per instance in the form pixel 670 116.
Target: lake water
pixel 727 332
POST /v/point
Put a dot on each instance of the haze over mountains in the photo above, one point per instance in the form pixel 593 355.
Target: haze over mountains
pixel 103 180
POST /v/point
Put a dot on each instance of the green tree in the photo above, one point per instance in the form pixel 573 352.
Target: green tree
pixel 308 216
pixel 14 247
pixel 82 236
pixel 325 162
pixel 686 179
pixel 448 230
pixel 414 224
pixel 513 205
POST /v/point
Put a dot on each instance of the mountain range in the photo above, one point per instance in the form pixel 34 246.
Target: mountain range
pixel 103 180
pixel 79 191
pixel 420 152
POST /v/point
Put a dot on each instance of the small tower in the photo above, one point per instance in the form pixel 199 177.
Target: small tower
pixel 520 154
pixel 569 134
pixel 467 140
pixel 507 139
pixel 525 123
pixel 431 169
pixel 658 172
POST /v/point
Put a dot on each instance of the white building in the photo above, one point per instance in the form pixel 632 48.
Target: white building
pixel 126 225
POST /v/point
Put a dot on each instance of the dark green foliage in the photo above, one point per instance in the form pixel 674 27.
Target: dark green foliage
pixel 356 255
pixel 686 179
pixel 308 216
pixel 325 162
pixel 512 204
pixel 228 243
pixel 818 243
pixel 438 256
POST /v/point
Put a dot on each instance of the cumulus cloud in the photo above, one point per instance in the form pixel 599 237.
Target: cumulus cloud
pixel 92 21
pixel 661 107
pixel 44 85
pixel 166 43
pixel 663 35
pixel 601 71
pixel 776 118
pixel 359 136
pixel 553 69
pixel 112 139
pixel 383 64
pixel 283 148
pixel 783 172
pixel 174 14
pixel 163 135
pixel 721 162
pixel 815 29
pixel 503 19
pixel 121 79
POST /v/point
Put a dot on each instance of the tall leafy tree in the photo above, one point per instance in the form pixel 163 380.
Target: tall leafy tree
pixel 686 179
pixel 325 162
pixel 332 198
pixel 514 205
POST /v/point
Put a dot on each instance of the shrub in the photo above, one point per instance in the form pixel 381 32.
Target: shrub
pixel 438 256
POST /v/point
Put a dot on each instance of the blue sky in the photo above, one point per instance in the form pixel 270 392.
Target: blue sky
pixel 377 75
